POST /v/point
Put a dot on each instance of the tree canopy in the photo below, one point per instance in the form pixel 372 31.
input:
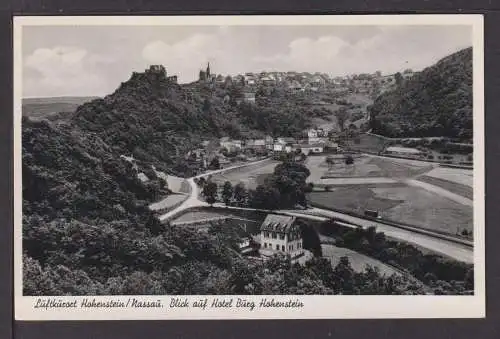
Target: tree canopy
pixel 434 102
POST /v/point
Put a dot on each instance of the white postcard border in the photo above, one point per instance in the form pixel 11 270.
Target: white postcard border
pixel 348 307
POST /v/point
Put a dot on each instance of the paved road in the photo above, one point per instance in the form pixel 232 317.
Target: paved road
pixel 449 248
pixel 193 201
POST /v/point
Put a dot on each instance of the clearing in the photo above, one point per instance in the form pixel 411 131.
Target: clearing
pixel 358 261
pixel 250 176
pixel 454 187
pixel 365 170
pixel 404 204
pixel 426 209
pixel 458 175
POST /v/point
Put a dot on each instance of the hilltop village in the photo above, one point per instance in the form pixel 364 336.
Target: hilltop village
pixel 299 82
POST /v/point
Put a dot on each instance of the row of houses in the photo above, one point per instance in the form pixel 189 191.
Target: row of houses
pixel 299 82
pixel 315 142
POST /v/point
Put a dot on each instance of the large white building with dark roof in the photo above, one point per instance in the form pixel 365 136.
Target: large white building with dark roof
pixel 280 234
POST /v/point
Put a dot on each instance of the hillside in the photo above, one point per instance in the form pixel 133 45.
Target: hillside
pixel 435 102
pixel 52 108
pixel 158 121
pixel 87 231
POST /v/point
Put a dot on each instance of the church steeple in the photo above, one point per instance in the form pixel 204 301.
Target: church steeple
pixel 208 70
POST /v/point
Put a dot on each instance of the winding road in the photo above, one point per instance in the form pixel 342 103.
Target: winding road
pixel 433 242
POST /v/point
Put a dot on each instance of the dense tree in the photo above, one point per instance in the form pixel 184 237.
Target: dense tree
pixel 214 164
pixel 349 160
pixel 227 192
pixel 310 239
pixel 210 192
pixel 342 116
pixel 240 194
pixel 285 188
pixel 434 102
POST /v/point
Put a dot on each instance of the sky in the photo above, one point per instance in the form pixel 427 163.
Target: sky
pixel 94 60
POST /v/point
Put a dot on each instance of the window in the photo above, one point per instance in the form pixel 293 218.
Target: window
pixel 291 247
pixel 277 247
pixel 283 248
pixel 282 236
pixel 274 235
pixel 265 245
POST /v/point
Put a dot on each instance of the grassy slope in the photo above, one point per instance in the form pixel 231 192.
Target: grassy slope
pixel 49 107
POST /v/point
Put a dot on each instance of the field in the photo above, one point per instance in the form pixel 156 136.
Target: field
pixel 368 169
pixel 250 219
pixel 426 209
pixel 405 204
pixel 250 176
pixel 454 187
pixel 358 261
pixel 49 107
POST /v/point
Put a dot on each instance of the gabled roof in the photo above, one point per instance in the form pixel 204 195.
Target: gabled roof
pixel 279 223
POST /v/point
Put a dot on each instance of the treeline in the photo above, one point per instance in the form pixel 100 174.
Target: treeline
pixel 434 102
pixel 444 276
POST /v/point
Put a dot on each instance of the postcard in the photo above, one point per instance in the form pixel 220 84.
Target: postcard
pixel 249 167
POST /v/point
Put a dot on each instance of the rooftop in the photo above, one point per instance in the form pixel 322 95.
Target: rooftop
pixel 279 223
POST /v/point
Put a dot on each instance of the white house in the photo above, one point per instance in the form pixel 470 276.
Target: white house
pixel 312 136
pixel 279 146
pixel 228 144
pixel 307 148
pixel 280 234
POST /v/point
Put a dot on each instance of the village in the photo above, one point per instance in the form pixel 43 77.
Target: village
pixel 301 82
pixel 227 150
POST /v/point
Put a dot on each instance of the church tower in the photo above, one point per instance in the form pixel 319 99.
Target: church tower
pixel 208 71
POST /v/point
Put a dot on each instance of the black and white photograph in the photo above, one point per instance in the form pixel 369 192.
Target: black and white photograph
pixel 231 158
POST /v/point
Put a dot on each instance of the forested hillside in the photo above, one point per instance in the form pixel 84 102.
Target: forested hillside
pixel 435 102
pixel 158 121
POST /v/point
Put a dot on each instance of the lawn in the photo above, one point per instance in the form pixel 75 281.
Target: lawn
pixel 454 187
pixel 458 175
pixel 253 219
pixel 250 176
pixel 405 204
pixel 425 209
pixel 352 198
pixel 358 261
pixel 364 167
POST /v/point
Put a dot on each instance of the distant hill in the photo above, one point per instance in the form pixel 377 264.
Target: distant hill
pixel 52 107
pixel 435 102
